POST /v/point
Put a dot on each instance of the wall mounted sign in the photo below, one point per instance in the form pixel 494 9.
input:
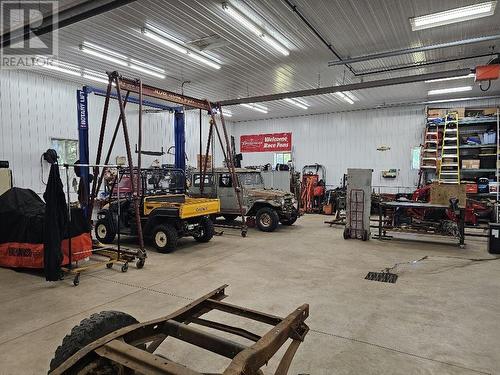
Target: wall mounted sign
pixel 276 142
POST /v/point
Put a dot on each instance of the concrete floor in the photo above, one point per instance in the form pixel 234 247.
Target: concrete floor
pixel 441 317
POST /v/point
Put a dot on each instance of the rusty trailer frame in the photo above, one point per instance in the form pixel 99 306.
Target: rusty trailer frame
pixel 132 348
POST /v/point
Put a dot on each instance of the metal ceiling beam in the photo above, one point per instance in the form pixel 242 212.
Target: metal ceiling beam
pixel 421 65
pixel 66 17
pixel 407 51
pixel 349 87
pixel 169 96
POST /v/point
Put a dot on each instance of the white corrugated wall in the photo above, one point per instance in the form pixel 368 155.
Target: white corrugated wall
pixel 350 140
pixel 35 108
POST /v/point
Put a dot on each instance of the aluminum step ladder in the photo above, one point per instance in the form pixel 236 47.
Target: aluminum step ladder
pixel 449 168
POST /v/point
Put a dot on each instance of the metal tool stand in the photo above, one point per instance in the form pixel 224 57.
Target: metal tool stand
pixel 111 254
pixel 132 348
pixel 384 225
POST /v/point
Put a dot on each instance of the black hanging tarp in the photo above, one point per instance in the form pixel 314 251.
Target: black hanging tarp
pixel 55 224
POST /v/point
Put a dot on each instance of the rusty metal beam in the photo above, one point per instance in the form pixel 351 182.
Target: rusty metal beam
pixel 215 344
pixel 244 312
pixel 140 360
pixel 251 360
pixel 170 96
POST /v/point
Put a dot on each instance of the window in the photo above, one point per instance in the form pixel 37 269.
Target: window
pixel 250 179
pixel 415 157
pixel 225 180
pixel 209 180
pixel 67 150
pixel 282 158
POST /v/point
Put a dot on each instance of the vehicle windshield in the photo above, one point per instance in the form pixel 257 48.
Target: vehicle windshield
pixel 250 179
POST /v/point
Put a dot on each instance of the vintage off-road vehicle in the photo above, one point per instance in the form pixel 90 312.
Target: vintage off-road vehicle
pixel 166 213
pixel 269 207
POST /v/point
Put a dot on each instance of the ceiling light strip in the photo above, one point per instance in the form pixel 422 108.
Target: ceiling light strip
pixel 173 43
pixel 255 107
pixel 453 15
pixel 450 90
pixel 296 103
pixel 105 54
pixel 250 25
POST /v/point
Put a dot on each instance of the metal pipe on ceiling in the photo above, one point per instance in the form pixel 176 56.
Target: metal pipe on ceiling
pixel 294 8
pixel 421 65
pixel 66 17
pixel 406 51
pixel 349 87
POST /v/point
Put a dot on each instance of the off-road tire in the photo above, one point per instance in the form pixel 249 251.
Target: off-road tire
pixel 207 230
pixel 267 219
pixel 164 238
pixel 91 329
pixel 104 232
pixel 230 217
pixel 291 220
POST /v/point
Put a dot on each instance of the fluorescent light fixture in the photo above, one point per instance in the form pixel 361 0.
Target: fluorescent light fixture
pixel 154 34
pixel 204 60
pixel 74 70
pixel 453 15
pixel 345 96
pixel 177 45
pixel 296 102
pixel 450 90
pixel 103 53
pixel 62 70
pixel 472 75
pixel 250 25
pixel 118 58
pixel 255 107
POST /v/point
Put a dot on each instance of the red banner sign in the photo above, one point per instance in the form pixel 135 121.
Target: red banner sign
pixel 277 142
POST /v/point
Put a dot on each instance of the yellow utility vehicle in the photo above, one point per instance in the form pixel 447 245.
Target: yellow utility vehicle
pixel 167 214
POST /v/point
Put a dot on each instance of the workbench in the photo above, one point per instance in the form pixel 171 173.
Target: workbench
pixel 417 205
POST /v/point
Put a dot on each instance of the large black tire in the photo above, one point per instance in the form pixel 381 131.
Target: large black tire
pixel 89 330
pixel 206 230
pixel 230 217
pixel 267 219
pixel 104 231
pixel 293 218
pixel 165 238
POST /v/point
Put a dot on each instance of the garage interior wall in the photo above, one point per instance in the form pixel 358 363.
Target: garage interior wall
pixel 350 140
pixel 35 108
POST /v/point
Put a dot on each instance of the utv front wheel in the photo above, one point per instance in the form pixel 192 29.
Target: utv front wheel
pixel 90 330
pixel 206 231
pixel 165 238
pixel 267 219
pixel 104 231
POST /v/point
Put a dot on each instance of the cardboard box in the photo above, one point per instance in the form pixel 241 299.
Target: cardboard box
pixel 471 164
pixel 201 161
pixel 489 111
pixel 471 188
pixel 442 193
pixel 493 186
pixel 436 113
pixel 442 112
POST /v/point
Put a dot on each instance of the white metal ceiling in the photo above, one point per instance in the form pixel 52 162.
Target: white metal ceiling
pixel 250 67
